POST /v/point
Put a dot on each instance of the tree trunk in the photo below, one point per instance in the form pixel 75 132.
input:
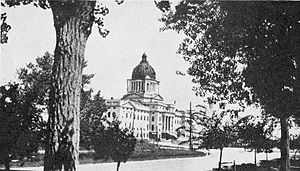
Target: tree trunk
pixel 220 161
pixel 267 156
pixel 285 144
pixel 118 166
pixel 190 138
pixel 255 162
pixel 72 22
pixel 6 162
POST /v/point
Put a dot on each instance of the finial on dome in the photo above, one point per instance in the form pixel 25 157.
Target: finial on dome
pixel 144 57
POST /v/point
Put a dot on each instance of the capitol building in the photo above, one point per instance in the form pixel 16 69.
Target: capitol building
pixel 143 109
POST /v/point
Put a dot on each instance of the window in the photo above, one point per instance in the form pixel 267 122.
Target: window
pixel 152 127
pixel 137 117
pixel 147 127
pixel 126 115
pixel 152 118
pixel 130 115
pixel 108 115
pixel 129 124
pixel 159 118
pixel 147 118
pixel 144 118
pixel 114 114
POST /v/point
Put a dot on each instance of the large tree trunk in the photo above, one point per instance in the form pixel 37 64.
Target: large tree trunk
pixel 285 144
pixel 72 22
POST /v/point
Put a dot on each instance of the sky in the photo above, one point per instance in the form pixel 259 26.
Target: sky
pixel 134 29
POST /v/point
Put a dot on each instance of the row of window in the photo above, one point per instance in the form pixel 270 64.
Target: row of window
pixel 153 128
pixel 142 135
pixel 142 111
pixel 113 114
pixel 135 128
pixel 137 117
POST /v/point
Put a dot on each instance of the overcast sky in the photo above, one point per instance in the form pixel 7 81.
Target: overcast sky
pixel 134 29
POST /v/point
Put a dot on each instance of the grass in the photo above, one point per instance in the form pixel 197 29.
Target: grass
pixel 143 151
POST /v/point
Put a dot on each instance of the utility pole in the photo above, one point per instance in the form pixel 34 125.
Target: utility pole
pixel 190 138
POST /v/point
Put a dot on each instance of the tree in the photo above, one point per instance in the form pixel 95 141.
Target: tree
pixel 37 78
pixel 243 52
pixel 20 123
pixel 217 132
pixel 73 21
pixel 114 143
pixel 193 125
pixel 255 135
pixel 91 120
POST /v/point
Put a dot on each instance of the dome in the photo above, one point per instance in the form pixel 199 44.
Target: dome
pixel 143 70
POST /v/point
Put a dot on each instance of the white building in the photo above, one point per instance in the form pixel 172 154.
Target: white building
pixel 142 109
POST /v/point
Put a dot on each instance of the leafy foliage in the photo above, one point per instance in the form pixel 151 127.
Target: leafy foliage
pixel 20 123
pixel 256 134
pixel 114 143
pixel 218 131
pixel 243 52
pixel 36 77
pixel 91 120
pixel 235 45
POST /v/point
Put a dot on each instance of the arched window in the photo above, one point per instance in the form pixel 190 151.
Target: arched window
pixel 114 114
pixel 108 115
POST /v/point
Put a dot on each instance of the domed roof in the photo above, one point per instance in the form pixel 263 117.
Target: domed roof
pixel 143 70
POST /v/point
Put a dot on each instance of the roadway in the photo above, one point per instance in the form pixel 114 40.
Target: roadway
pixel 178 164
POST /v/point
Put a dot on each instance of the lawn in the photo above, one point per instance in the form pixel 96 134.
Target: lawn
pixel 143 151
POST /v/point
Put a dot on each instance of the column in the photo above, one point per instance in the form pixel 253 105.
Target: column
pixel 166 123
pixel 172 123
pixel 140 86
pixel 169 123
pixel 162 124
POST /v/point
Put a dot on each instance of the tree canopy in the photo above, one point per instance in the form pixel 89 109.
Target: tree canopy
pixel 114 143
pixel 20 123
pixel 243 52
